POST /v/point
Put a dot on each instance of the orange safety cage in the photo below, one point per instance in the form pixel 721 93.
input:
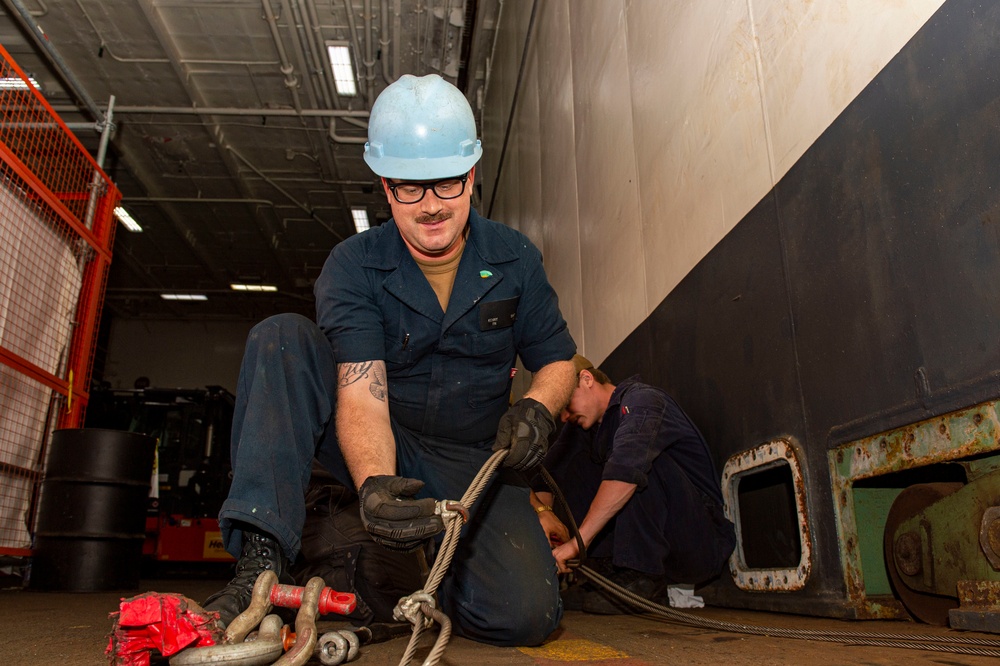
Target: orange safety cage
pixel 56 231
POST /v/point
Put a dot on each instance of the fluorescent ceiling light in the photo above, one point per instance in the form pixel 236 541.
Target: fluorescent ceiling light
pixel 17 83
pixel 343 71
pixel 184 297
pixel 253 287
pixel 360 216
pixel 127 220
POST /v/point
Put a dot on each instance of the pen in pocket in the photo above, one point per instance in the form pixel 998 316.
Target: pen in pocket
pixel 406 340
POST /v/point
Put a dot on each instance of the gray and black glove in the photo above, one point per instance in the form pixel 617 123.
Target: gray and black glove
pixel 393 517
pixel 525 430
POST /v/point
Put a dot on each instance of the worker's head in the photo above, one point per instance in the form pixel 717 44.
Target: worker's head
pixel 591 396
pixel 422 143
pixel 581 363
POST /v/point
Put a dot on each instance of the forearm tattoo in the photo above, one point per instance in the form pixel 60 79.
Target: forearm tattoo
pixel 353 372
pixel 378 386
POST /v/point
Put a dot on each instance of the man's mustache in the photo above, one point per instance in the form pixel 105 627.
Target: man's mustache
pixel 430 219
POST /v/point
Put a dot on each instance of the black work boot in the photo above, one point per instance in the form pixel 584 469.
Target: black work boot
pixel 260 553
pixel 651 588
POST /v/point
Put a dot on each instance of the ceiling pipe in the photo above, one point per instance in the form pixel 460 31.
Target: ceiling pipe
pixel 314 40
pixel 352 26
pixel 419 11
pixel 384 41
pixel 291 82
pixel 369 53
pixel 316 43
pixel 106 48
pixel 290 11
pixel 316 47
pixel 73 127
pixel 340 138
pixel 286 193
pixel 199 200
pixel 312 51
pixel 17 8
pixel 232 111
pixel 465 50
pixel 270 181
pixel 317 98
pixel 236 200
pixel 397 31
pixel 356 122
pixel 309 68
pixel 445 22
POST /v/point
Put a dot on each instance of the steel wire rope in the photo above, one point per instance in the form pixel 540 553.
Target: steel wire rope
pixel 909 641
pixel 571 521
pixel 870 638
pixel 441 563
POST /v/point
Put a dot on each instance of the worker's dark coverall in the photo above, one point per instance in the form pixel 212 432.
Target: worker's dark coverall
pixel 449 381
pixel 673 525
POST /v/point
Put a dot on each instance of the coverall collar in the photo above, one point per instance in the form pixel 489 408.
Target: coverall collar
pixel 478 272
pixel 616 396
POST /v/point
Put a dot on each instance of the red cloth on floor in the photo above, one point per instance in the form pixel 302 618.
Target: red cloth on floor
pixel 167 623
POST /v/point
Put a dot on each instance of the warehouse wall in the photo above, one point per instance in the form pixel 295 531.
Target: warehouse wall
pixel 783 213
pixel 645 130
pixel 175 354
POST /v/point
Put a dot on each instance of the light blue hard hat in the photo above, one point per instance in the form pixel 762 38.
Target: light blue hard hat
pixel 421 128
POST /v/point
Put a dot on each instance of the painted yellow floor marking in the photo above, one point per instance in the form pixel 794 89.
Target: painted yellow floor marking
pixel 574 649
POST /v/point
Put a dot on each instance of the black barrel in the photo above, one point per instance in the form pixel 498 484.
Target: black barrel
pixel 92 511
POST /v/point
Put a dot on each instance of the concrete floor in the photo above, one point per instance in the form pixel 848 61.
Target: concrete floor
pixel 70 629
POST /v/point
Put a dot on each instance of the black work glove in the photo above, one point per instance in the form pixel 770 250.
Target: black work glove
pixel 525 430
pixel 392 517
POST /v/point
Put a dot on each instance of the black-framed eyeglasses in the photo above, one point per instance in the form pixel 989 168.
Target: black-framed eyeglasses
pixel 446 188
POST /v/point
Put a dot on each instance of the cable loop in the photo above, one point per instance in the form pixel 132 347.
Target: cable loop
pixel 449 510
pixel 410 608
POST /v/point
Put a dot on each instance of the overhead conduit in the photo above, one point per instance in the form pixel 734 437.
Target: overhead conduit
pixel 291 81
pixel 27 20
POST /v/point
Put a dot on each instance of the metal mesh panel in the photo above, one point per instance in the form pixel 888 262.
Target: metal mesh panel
pixel 56 229
pixel 40 279
pixel 27 412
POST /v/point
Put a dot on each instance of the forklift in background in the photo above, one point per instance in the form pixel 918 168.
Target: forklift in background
pixel 192 472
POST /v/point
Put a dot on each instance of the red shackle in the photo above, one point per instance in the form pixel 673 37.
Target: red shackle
pixel 330 601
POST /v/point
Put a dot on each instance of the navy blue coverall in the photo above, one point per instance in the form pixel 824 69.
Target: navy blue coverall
pixel 673 526
pixel 449 381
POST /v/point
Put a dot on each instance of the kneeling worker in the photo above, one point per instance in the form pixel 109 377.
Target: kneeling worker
pixel 642 486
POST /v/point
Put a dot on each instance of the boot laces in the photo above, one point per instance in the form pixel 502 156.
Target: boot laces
pixel 257 557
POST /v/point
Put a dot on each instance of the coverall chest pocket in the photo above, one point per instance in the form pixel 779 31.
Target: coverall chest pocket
pixel 492 354
pixel 408 345
pixel 398 353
